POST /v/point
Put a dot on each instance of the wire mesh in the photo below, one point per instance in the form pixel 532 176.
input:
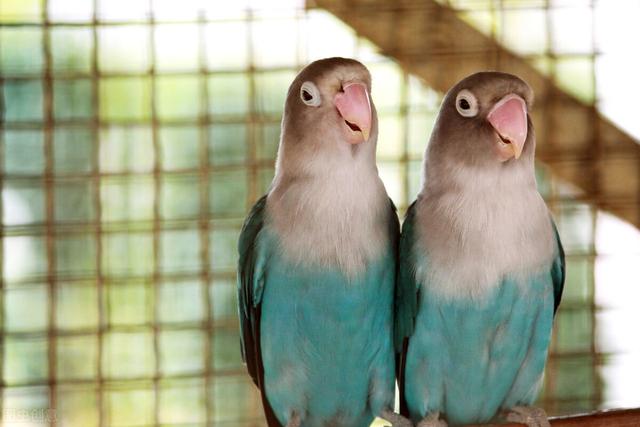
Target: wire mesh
pixel 134 137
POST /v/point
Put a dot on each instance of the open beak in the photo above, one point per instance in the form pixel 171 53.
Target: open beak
pixel 355 108
pixel 509 119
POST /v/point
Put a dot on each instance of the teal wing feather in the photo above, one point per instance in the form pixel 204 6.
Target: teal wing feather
pixel 394 229
pixel 251 269
pixel 558 271
pixel 250 282
pixel 406 300
pixel 406 291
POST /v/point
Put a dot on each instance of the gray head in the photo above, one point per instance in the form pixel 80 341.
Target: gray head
pixel 329 119
pixel 484 122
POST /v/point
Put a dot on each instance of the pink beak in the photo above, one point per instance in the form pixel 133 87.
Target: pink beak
pixel 509 118
pixel 354 107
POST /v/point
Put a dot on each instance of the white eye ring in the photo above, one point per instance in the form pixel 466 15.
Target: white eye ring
pixel 466 103
pixel 309 94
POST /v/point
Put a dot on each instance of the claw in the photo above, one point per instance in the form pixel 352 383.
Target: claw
pixel 294 421
pixel 532 417
pixel 396 420
pixel 432 420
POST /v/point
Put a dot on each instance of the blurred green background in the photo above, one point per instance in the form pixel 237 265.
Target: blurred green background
pixel 134 137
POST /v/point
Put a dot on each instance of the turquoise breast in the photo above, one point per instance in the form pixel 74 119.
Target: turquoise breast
pixel 326 342
pixel 470 359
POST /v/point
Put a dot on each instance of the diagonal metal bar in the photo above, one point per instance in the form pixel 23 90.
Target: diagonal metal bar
pixel 579 145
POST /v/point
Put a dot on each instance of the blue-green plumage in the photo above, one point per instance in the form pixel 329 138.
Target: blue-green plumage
pixel 326 341
pixel 481 267
pixel 323 347
pixel 317 264
pixel 470 359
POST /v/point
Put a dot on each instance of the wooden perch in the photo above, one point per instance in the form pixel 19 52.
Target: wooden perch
pixel 431 41
pixel 613 418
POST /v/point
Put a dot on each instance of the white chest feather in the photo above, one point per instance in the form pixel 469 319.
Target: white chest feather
pixel 337 221
pixel 474 239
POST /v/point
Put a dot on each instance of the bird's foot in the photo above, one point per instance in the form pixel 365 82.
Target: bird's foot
pixel 532 417
pixel 396 420
pixel 432 420
pixel 294 421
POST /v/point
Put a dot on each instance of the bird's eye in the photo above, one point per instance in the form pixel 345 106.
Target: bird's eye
pixel 309 94
pixel 466 103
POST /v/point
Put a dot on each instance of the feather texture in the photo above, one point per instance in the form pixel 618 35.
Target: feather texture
pixel 494 225
pixel 317 266
pixel 481 267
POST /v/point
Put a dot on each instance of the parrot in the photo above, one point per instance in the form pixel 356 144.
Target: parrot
pixel 317 261
pixel 481 267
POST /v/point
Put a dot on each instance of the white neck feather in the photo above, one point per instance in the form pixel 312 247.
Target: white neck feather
pixel 337 219
pixel 480 230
